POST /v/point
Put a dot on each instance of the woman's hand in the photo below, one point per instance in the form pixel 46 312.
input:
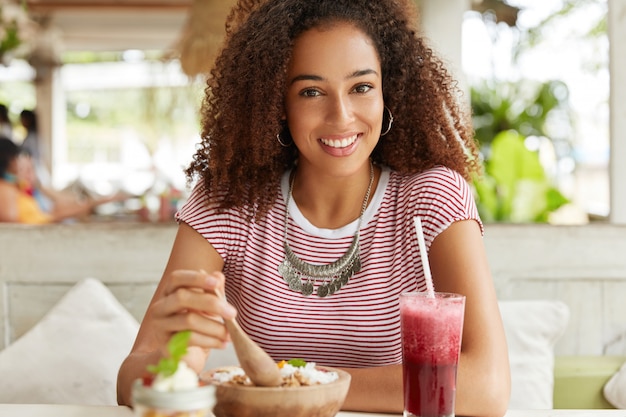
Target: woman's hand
pixel 188 301
pixel 185 299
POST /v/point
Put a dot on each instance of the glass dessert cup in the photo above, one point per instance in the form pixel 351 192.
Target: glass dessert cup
pixel 196 402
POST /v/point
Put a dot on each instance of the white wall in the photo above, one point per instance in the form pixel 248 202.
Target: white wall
pixel 584 266
pixel 442 23
pixel 617 66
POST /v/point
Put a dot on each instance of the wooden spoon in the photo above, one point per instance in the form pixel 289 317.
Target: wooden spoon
pixel 256 363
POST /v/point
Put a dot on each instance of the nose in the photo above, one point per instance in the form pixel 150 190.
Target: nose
pixel 339 110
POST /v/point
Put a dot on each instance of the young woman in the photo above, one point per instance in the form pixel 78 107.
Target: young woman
pixel 327 127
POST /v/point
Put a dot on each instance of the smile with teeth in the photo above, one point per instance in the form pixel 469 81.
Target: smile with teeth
pixel 339 143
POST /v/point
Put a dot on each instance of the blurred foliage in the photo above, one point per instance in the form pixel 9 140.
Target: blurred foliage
pixel 515 187
pixel 523 106
pixel 535 35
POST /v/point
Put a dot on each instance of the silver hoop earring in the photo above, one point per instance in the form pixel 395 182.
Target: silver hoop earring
pixel 283 144
pixel 390 122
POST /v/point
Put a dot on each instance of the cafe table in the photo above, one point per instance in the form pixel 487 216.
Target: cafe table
pixel 56 410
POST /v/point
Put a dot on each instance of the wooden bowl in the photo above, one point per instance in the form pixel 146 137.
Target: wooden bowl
pixel 323 400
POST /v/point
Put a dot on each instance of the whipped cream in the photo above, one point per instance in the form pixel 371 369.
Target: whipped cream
pixel 184 378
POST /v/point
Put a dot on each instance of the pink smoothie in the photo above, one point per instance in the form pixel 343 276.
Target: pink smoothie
pixel 431 341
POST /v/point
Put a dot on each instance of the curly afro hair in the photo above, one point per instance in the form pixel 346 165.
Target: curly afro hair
pixel 239 157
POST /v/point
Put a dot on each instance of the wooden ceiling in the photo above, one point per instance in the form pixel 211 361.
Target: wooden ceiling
pixel 54 5
pixel 117 25
pixel 111 25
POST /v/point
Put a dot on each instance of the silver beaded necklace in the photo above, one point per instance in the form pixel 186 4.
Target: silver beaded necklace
pixel 302 276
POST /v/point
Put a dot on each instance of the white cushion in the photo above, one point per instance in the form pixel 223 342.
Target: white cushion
pixel 615 389
pixel 532 329
pixel 73 354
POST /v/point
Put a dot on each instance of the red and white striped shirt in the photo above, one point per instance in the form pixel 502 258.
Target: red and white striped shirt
pixel 359 325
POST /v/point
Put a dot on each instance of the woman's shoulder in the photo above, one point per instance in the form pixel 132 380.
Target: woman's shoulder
pixel 439 185
pixel 437 176
pixel 203 204
pixel 440 195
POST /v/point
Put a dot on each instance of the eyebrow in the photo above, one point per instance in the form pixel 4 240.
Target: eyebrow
pixel 311 77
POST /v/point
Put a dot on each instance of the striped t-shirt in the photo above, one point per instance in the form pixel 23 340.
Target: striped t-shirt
pixel 359 325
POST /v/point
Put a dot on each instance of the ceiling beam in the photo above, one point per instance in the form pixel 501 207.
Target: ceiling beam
pixel 55 5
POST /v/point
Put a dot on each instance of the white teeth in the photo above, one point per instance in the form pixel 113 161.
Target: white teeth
pixel 336 143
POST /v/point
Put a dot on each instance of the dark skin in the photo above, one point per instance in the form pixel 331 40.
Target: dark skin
pixel 419 91
pixel 336 75
pixel 480 364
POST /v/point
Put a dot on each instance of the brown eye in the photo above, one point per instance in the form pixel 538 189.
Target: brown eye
pixel 310 92
pixel 363 88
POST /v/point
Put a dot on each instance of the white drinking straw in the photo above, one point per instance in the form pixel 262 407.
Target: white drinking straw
pixel 424 256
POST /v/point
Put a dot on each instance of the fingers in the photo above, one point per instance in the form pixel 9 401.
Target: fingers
pixel 196 291
pixel 207 332
pixel 196 358
pixel 195 279
pixel 189 302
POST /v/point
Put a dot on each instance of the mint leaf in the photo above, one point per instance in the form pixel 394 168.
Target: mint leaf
pixel 166 367
pixel 298 363
pixel 177 348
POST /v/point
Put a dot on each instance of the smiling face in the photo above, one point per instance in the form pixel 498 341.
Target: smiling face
pixel 334 100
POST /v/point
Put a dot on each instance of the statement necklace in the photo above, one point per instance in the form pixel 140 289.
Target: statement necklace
pixel 302 276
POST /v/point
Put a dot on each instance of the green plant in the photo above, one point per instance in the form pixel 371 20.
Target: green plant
pixel 515 187
pixel 16 28
pixel 509 113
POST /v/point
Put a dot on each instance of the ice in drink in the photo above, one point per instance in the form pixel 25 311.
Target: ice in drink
pixel 431 342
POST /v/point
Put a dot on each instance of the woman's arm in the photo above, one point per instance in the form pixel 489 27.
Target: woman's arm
pixel 375 390
pixel 66 205
pixel 183 300
pixel 8 203
pixel 459 264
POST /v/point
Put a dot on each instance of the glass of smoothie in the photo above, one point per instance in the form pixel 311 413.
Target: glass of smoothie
pixel 432 325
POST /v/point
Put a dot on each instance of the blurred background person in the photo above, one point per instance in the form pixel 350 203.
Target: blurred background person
pixel 31 145
pixel 23 200
pixel 16 206
pixel 6 127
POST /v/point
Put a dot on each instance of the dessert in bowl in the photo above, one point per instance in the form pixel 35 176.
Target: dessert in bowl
pixel 152 401
pixel 172 389
pixel 307 391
